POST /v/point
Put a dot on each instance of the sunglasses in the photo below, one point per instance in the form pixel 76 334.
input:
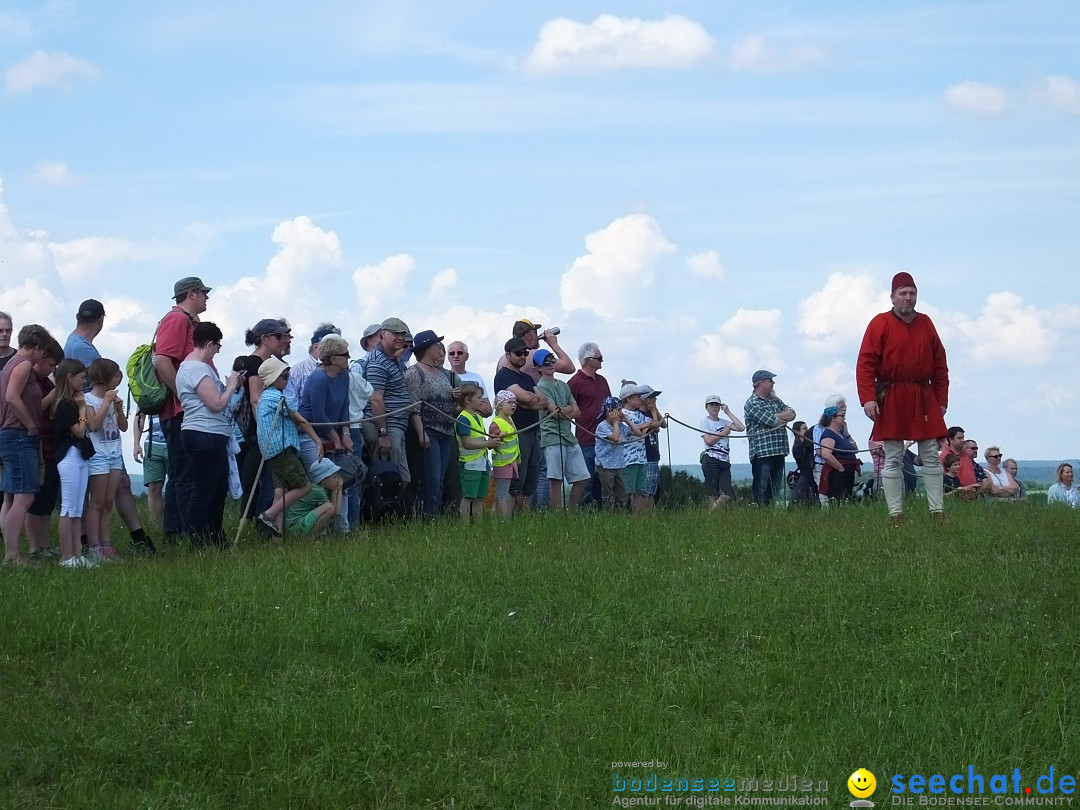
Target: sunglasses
pixel 522 354
pixel 346 354
pixel 455 354
pixel 994 455
pixel 598 358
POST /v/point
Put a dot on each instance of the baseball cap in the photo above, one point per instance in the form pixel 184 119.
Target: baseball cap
pixel 544 357
pixel 761 374
pixel 90 308
pixel 711 398
pixel 648 391
pixel 608 404
pixel 269 326
pixel 523 326
pixel 323 331
pixel 630 389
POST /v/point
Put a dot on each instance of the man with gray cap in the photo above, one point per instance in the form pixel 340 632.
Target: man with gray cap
pixel 385 434
pixel 300 372
pixel 174 341
pixel 766 418
pixel 367 344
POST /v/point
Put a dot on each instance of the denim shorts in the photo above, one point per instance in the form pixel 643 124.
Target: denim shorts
pixel 21 454
pixel 104 463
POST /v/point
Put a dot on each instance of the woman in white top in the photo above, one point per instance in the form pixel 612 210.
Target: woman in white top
pixel 205 433
pixel 1064 491
pixel 1002 484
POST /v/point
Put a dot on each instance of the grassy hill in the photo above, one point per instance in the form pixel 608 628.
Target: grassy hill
pixel 513 665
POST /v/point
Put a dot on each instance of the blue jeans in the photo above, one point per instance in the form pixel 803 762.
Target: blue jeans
pixel 436 460
pixel 542 496
pixel 354 495
pixel 205 508
pixel 768 478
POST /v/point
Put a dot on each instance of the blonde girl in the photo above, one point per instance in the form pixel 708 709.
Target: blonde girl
pixel 107 422
pixel 72 445
pixel 507 453
pixel 473 444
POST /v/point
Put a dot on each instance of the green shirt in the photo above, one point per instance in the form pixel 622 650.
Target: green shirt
pixel 554 430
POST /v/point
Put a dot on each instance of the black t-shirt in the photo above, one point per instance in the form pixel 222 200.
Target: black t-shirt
pixel 4 360
pixel 251 366
pixel 66 417
pixel 504 378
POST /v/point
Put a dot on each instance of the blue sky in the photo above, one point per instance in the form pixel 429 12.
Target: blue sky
pixel 704 188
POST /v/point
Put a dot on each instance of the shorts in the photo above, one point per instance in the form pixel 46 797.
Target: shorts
pixel 304 525
pixel 45 501
pixel 104 463
pixel 634 478
pixel 288 470
pixel 652 477
pixel 566 463
pixel 155 466
pixel 474 483
pixel 21 454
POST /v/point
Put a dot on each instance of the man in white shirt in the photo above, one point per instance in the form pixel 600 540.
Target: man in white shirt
pixel 458 354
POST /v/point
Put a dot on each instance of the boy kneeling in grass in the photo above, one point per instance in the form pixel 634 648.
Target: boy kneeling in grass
pixel 279 440
pixel 310 515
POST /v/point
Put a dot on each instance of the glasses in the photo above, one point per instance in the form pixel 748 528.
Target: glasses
pixel 346 354
pixel 599 358
pixel 455 354
pixel 522 354
pixel 994 455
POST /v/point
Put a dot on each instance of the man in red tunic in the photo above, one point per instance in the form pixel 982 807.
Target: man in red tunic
pixel 903 382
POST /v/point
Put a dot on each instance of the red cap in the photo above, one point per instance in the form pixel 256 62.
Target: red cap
pixel 902 280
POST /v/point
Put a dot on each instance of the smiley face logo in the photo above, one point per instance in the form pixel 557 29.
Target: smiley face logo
pixel 862 783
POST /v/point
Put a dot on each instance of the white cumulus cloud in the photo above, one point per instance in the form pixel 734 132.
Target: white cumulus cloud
pixel 378 286
pixel 837 314
pixel 614 43
pixel 86 257
pixel 755 55
pixel 1008 332
pixel 706 265
pixel 976 98
pixel 613 277
pixel 55 173
pixel 1061 92
pixel 747 340
pixel 43 69
pixel 442 283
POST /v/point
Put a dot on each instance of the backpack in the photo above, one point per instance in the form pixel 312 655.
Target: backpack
pixel 386 491
pixel 149 392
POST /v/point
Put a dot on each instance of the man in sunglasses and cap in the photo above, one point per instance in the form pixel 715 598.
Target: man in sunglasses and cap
pixel 767 417
pixel 903 381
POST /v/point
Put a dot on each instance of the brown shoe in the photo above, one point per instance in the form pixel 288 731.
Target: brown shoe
pixel 939 518
pixel 896 521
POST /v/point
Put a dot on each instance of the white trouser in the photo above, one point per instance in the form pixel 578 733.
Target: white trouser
pixel 893 475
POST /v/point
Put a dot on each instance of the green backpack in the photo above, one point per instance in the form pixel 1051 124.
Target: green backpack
pixel 149 392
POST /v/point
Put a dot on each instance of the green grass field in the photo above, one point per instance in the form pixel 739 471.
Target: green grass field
pixel 510 665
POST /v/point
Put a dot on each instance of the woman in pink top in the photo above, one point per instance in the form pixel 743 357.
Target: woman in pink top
pixel 20 442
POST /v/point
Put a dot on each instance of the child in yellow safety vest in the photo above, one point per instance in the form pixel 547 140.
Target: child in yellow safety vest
pixel 473 444
pixel 508 452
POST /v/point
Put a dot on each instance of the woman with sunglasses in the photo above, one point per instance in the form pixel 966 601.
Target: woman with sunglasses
pixel 1002 484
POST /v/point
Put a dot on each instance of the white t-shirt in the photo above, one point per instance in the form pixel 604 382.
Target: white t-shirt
pixel 106 439
pixel 720 450
pixel 472 376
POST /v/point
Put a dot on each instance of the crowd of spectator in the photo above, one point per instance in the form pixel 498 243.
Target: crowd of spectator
pixel 296 443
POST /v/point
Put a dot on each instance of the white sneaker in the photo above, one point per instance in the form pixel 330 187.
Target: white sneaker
pixel 77 562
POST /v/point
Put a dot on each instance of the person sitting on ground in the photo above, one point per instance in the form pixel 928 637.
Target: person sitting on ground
pixel 716 458
pixel 312 514
pixel 971 449
pixel 1012 468
pixel 474 442
pixel 1002 486
pixel 1064 491
pixel 841 463
pixel 951 479
pixel 277 428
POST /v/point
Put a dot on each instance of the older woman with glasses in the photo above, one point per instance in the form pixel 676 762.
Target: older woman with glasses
pixel 841 465
pixel 1002 485
pixel 325 400
pixel 436 388
pixel 207 427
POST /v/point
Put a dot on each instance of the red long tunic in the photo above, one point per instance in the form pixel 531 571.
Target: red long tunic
pixel 910 357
